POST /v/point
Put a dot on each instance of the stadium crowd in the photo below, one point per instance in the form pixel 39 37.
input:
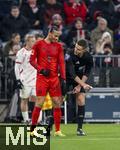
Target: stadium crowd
pixel 97 21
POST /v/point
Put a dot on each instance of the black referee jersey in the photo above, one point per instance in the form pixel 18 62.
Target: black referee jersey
pixel 78 66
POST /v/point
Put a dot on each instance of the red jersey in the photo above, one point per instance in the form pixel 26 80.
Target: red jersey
pixel 48 56
pixel 80 10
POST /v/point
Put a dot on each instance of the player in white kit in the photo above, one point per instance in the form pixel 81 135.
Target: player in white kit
pixel 25 75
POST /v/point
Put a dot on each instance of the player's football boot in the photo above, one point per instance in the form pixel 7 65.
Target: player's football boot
pixel 34 133
pixel 80 132
pixel 59 133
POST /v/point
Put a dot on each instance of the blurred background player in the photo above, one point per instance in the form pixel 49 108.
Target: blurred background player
pixel 25 75
pixel 47 56
pixel 79 64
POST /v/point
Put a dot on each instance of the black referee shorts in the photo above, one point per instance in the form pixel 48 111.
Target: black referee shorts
pixel 73 84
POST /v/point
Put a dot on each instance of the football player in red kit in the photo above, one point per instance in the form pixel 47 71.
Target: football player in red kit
pixel 48 58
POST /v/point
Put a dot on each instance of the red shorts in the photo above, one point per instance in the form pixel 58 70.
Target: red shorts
pixel 51 85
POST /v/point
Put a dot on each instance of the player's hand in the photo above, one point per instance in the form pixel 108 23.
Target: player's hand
pixel 77 89
pixel 87 87
pixel 63 87
pixel 45 72
pixel 19 84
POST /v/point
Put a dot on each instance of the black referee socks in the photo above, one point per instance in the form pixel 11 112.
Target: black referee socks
pixel 81 114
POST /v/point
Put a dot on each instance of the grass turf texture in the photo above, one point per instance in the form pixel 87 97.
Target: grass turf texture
pixel 99 137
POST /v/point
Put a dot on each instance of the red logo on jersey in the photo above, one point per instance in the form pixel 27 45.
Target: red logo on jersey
pixel 32 53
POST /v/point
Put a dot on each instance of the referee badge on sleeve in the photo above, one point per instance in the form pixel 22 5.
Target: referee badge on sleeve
pixel 67 56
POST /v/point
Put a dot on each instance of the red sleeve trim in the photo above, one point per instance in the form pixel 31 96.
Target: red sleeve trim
pixel 18 62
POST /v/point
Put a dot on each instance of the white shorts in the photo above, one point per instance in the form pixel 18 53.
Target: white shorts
pixel 27 91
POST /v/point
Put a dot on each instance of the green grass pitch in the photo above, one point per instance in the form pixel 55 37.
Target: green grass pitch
pixel 99 137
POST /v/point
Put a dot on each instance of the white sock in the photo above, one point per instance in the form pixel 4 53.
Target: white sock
pixel 25 115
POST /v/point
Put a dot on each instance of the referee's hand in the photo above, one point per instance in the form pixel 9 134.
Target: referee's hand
pixel 87 87
pixel 77 89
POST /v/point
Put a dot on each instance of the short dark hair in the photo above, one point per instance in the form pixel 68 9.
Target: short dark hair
pixel 83 43
pixel 15 7
pixel 39 35
pixel 53 28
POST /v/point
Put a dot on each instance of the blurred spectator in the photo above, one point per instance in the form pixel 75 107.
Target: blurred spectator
pixel 104 63
pixel 117 41
pixel 91 23
pixel 14 23
pixel 116 2
pixel 31 11
pixel 50 8
pixel 107 51
pixel 97 33
pixel 89 2
pixel 9 62
pixel 57 20
pixel 13 52
pixel 106 7
pixel 102 42
pixel 15 40
pixel 116 16
pixel 76 33
pixel 74 9
pixel 5 7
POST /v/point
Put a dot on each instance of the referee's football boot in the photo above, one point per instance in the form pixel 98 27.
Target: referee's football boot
pixel 80 132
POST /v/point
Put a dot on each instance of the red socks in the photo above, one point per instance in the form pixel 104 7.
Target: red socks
pixel 57 118
pixel 35 115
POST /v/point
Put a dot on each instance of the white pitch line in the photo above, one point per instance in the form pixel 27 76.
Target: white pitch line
pixel 84 139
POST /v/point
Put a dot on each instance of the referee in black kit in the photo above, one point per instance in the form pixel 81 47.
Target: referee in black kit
pixel 78 65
